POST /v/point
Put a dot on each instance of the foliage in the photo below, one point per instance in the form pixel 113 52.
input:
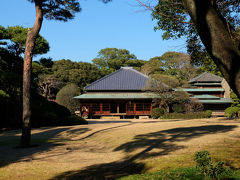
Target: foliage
pixel 232 112
pixel 153 66
pixel 200 57
pixel 235 100
pixel 206 166
pixel 17 35
pixel 46 62
pixel 173 18
pixel 136 64
pixel 178 65
pixel 3 94
pixel 180 174
pixel 59 10
pixel 44 113
pixel 49 86
pixel 157 113
pixel 112 59
pixel 65 96
pixel 188 115
pixel 11 67
pixel 174 64
pixel 194 106
pixel 80 73
pixel 166 95
pixel 76 120
pixel 178 108
pixel 171 81
pixel 208 113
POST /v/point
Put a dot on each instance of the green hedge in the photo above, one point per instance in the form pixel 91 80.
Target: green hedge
pixel 208 113
pixel 190 115
pixel 232 112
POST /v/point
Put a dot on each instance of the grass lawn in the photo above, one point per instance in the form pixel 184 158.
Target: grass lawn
pixel 119 149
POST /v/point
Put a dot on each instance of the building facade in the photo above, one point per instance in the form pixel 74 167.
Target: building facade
pixel 212 91
pixel 121 94
pixel 117 94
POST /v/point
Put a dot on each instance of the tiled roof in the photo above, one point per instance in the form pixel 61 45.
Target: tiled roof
pixel 201 89
pixel 217 101
pixel 205 96
pixel 206 77
pixel 125 78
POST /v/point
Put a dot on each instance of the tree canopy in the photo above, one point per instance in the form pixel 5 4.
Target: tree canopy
pixel 111 59
pixel 17 36
pixel 215 22
pixel 50 9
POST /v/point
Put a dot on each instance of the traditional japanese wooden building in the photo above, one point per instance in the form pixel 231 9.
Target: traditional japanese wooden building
pixel 212 91
pixel 121 94
pixel 118 94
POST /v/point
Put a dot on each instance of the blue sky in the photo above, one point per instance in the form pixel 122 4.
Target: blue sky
pixel 119 24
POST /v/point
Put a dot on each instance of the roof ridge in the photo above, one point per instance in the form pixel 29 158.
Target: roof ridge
pixel 138 72
pixel 104 77
pixel 196 79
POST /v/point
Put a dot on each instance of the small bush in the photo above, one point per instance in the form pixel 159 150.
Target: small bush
pixel 190 115
pixel 178 108
pixel 76 120
pixel 65 96
pixel 232 112
pixel 208 167
pixel 157 113
pixel 202 159
pixel 194 106
pixel 208 113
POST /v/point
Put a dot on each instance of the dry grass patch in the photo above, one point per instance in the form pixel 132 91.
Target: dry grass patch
pixel 117 149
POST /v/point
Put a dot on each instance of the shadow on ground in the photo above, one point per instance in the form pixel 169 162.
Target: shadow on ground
pixel 109 121
pixel 41 142
pixel 163 142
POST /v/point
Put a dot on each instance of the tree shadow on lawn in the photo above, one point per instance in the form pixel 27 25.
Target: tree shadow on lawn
pixel 41 142
pixel 163 142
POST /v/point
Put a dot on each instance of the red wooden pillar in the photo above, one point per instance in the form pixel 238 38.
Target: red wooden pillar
pixel 134 108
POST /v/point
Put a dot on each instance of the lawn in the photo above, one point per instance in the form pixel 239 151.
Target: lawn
pixel 118 148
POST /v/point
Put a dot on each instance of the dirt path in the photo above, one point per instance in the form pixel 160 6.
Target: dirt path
pixel 106 149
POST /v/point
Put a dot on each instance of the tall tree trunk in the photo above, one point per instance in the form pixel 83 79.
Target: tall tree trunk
pixel 215 35
pixel 27 71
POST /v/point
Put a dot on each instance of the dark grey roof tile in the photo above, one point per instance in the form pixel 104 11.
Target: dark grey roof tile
pixel 206 77
pixel 125 78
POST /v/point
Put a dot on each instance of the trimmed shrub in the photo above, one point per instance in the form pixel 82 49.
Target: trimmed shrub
pixel 49 113
pixel 178 108
pixel 208 113
pixel 190 115
pixel 65 97
pixel 76 120
pixel 232 112
pixel 157 113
